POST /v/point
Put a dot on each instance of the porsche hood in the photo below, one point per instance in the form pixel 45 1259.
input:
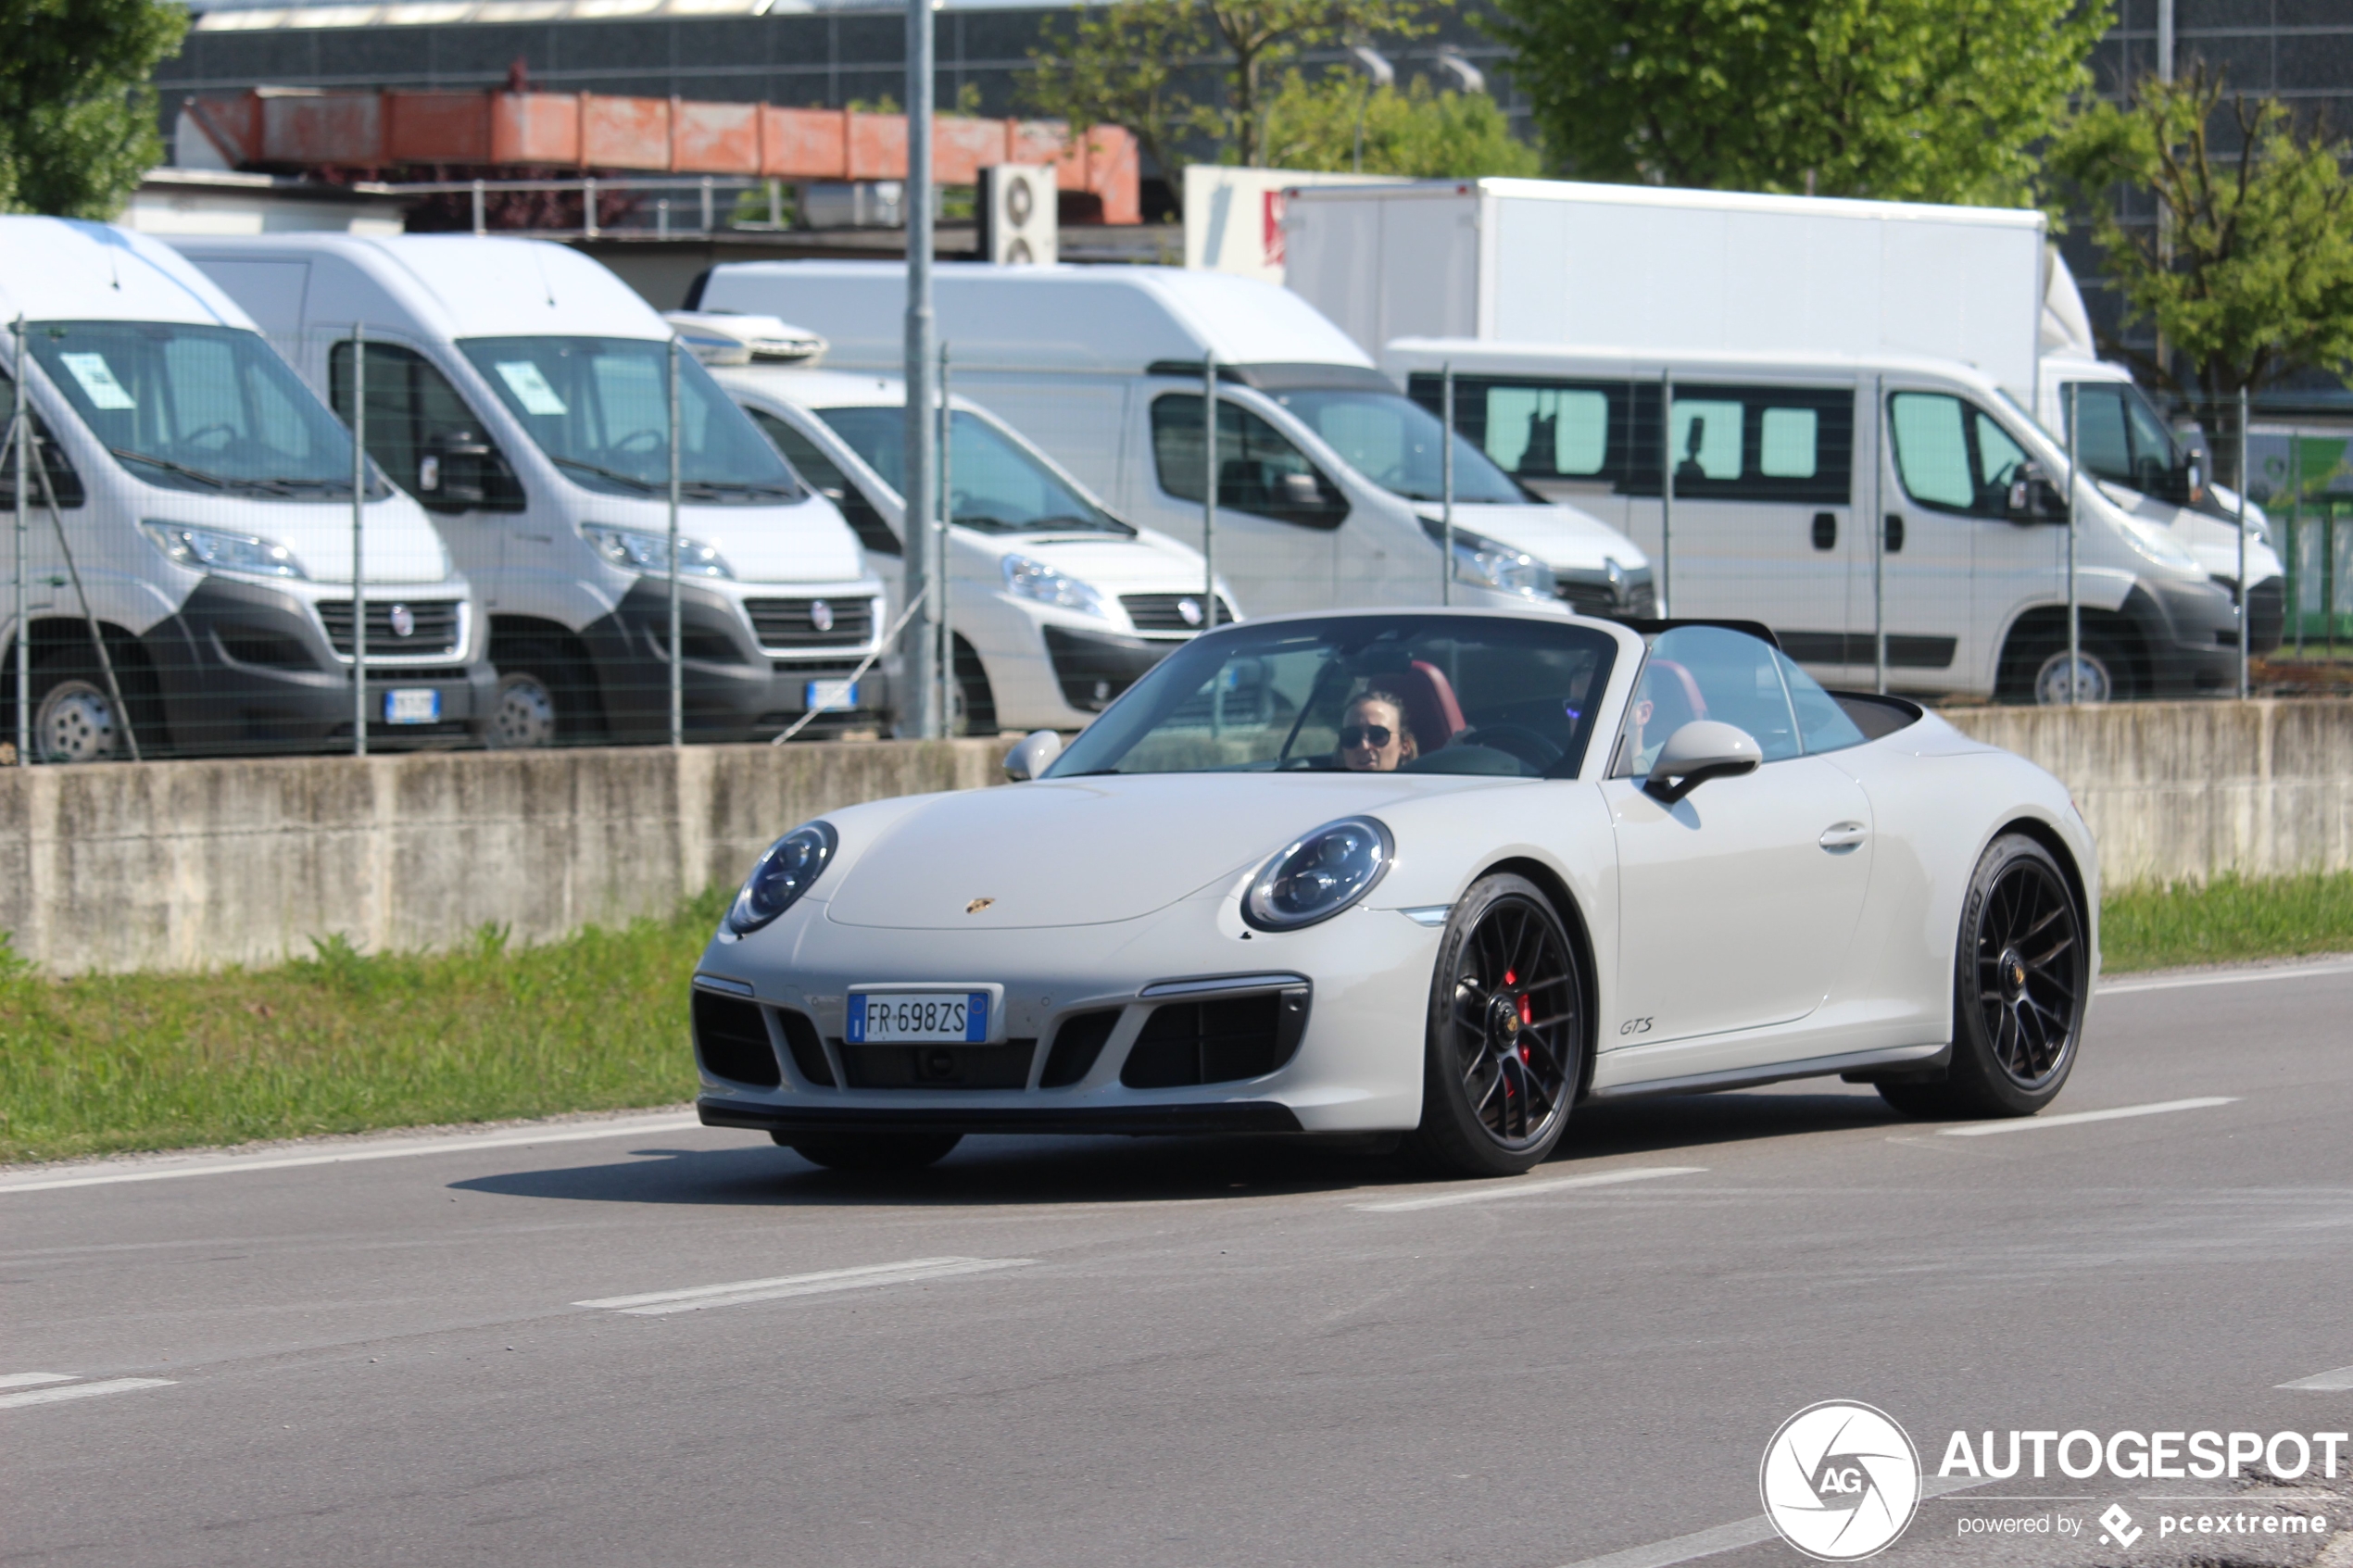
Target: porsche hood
pixel 1089 851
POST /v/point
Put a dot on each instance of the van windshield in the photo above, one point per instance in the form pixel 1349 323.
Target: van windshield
pixel 600 408
pixel 1393 440
pixel 208 408
pixel 998 487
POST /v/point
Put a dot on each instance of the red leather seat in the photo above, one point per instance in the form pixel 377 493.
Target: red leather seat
pixel 1431 711
pixel 1674 697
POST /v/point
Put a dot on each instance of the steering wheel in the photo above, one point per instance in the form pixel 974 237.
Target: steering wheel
pixel 1518 740
pixel 228 432
pixel 648 440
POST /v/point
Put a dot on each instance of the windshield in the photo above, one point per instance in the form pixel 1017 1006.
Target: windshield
pixel 1418 692
pixel 198 408
pixel 1393 440
pixel 600 408
pixel 998 487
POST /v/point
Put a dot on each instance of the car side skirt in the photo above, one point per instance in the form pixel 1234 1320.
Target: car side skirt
pixel 1910 1057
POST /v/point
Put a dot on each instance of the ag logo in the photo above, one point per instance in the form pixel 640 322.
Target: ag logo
pixel 1839 1481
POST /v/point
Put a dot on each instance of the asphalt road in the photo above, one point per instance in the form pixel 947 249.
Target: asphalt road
pixel 486 1349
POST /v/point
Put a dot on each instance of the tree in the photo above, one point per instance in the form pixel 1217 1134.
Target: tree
pixel 1416 133
pixel 1137 62
pixel 2255 278
pixel 1905 100
pixel 77 114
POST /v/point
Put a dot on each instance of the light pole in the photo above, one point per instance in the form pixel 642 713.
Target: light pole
pixel 916 655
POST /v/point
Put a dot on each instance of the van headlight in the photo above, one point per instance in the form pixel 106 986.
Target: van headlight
pixel 650 553
pixel 781 875
pixel 1319 876
pixel 1027 579
pixel 208 549
pixel 1484 563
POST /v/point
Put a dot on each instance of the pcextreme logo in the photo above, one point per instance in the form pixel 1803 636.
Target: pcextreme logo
pixel 1839 1481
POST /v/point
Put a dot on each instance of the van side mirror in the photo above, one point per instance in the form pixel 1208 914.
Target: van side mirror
pixel 1697 752
pixel 1297 492
pixel 2034 498
pixel 1032 755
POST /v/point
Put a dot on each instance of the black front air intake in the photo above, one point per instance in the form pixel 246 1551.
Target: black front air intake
pixel 1077 1045
pixel 732 1040
pixel 1217 1040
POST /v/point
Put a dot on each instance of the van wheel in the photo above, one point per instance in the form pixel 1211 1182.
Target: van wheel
pixel 539 699
pixel 73 717
pixel 975 703
pixel 2038 671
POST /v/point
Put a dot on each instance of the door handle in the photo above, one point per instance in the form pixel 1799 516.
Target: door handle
pixel 1843 836
pixel 1826 531
pixel 1894 532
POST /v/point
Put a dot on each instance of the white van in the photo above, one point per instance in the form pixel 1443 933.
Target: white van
pixel 517 389
pixel 1328 480
pixel 1056 605
pixel 193 508
pixel 1779 468
pixel 2127 444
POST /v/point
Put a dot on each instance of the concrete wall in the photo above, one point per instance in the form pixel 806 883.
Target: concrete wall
pixel 2186 791
pixel 185 865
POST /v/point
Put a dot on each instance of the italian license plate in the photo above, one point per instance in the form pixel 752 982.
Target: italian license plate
pixel 829 697
pixel 958 1017
pixel 412 705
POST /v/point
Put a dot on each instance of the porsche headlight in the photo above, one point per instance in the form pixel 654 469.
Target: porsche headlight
pixel 781 876
pixel 1319 876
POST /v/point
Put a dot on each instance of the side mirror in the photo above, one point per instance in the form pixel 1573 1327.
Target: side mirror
pixel 1298 492
pixel 1699 751
pixel 456 468
pixel 1032 755
pixel 2034 498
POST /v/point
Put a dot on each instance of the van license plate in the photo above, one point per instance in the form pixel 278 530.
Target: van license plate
pixel 933 1016
pixel 829 697
pixel 412 705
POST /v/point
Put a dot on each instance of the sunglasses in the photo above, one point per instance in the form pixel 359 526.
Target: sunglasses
pixel 1375 735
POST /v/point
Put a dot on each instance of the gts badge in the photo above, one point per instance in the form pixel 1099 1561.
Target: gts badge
pixel 1635 1026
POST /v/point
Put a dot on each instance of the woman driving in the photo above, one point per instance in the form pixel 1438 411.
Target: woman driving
pixel 1373 736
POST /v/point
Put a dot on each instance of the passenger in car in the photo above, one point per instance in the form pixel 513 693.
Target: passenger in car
pixel 1373 735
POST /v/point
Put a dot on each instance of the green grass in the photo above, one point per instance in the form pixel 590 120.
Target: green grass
pixel 2226 921
pixel 345 1042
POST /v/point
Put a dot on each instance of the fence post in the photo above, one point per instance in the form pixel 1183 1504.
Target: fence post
pixel 944 640
pixel 678 657
pixel 1666 494
pixel 706 215
pixel 1878 534
pixel 358 513
pixel 1209 487
pixel 1446 485
pixel 480 225
pixel 22 428
pixel 2074 605
pixel 588 207
pixel 916 655
pixel 2246 601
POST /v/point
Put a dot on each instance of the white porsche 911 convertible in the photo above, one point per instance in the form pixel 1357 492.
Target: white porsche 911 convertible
pixel 1446 873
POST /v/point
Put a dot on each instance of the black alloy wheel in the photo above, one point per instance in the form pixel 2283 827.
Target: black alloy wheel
pixel 2021 980
pixel 1506 1033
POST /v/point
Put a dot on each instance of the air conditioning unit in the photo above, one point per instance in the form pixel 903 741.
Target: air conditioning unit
pixel 717 338
pixel 1017 221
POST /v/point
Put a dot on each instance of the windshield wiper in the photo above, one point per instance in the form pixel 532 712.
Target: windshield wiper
pixel 643 486
pixel 201 475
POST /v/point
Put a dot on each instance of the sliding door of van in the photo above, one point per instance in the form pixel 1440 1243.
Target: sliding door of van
pixel 1763 526
pixel 1280 517
pixel 1957 570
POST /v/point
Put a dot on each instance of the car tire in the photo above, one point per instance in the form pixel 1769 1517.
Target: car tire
pixel 1504 1040
pixel 2037 668
pixel 976 702
pixel 74 718
pixel 874 1152
pixel 2020 974
pixel 539 702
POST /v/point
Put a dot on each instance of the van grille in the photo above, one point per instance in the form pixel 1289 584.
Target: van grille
pixel 793 624
pixel 433 627
pixel 1216 1041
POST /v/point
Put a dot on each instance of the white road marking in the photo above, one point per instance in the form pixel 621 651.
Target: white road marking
pixel 2237 977
pixel 2325 1382
pixel 2028 1123
pixel 1531 1189
pixel 231 1164
pixel 1732 1538
pixel 81 1391
pixel 657 1303
pixel 27 1379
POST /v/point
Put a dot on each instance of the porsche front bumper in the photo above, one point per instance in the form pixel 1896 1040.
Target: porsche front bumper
pixel 1179 1022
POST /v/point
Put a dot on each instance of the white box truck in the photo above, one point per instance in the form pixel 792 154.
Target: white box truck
pixel 1666 272
pixel 191 513
pixel 518 390
pixel 1329 478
